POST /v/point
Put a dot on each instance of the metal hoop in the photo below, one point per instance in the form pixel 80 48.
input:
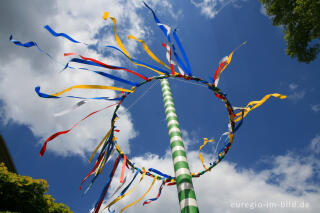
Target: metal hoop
pixel 219 95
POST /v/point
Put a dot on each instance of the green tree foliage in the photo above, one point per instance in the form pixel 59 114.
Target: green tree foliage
pixel 24 194
pixel 300 20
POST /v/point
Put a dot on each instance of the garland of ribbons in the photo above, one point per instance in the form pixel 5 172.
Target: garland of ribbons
pixel 108 144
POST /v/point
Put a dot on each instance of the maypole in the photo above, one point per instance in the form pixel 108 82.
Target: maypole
pixel 183 177
pixel 186 194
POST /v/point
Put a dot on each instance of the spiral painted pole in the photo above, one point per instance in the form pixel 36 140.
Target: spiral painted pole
pixel 186 194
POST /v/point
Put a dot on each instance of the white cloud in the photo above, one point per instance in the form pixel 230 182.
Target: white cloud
pixel 226 188
pixel 22 69
pixel 263 10
pixel 315 144
pixel 293 86
pixel 315 108
pixel 296 95
pixel 210 8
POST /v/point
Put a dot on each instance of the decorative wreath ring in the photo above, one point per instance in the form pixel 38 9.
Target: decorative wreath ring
pixel 221 154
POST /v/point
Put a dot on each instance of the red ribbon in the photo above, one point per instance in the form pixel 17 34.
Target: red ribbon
pixel 123 168
pixel 108 184
pixel 106 65
pixel 44 147
pixel 94 168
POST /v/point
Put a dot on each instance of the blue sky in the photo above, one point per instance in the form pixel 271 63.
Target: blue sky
pixel 275 155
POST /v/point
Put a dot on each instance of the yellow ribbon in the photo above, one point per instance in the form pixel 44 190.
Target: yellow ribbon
pixel 137 201
pixel 254 104
pixel 120 44
pixel 101 162
pixel 105 157
pixel 91 87
pixel 227 63
pixel 104 138
pixel 129 192
pixel 205 141
pixel 230 57
pixel 148 51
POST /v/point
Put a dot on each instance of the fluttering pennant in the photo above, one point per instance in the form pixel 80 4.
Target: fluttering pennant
pixel 205 141
pixel 29 44
pixel 254 104
pixel 148 51
pixel 160 25
pixel 124 192
pixel 137 201
pixel 74 107
pixel 47 27
pixel 43 95
pixel 108 66
pixel 154 68
pixel 108 183
pixel 184 55
pixel 44 146
pixel 120 44
pixel 102 87
pixel 158 195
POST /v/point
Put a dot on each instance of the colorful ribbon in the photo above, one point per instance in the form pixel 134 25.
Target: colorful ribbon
pixel 43 149
pixel 123 168
pixel 105 190
pixel 108 66
pixel 154 68
pixel 158 195
pixel 43 95
pixel 137 201
pixel 160 25
pixel 172 62
pixel 57 95
pixel 160 173
pixel 254 104
pixel 47 27
pixel 92 171
pixel 124 193
pixel 205 141
pixel 148 51
pixel 31 44
pixel 120 44
pixel 184 55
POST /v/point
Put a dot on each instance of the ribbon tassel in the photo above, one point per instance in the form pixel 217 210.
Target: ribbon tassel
pixel 105 190
pixel 137 201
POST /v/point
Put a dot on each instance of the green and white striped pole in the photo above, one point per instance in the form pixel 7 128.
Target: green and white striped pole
pixel 186 194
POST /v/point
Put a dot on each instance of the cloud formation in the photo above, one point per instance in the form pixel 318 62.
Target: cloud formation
pixel 211 8
pixel 296 94
pixel 22 69
pixel 287 183
pixel 315 108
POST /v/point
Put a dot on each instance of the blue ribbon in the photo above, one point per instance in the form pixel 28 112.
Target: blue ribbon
pixel 127 187
pixel 163 29
pixel 105 190
pixel 47 27
pixel 176 38
pixel 81 61
pixel 157 197
pixel 180 61
pixel 116 78
pixel 30 44
pixel 160 173
pixel 140 62
pixel 240 123
pixel 43 95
